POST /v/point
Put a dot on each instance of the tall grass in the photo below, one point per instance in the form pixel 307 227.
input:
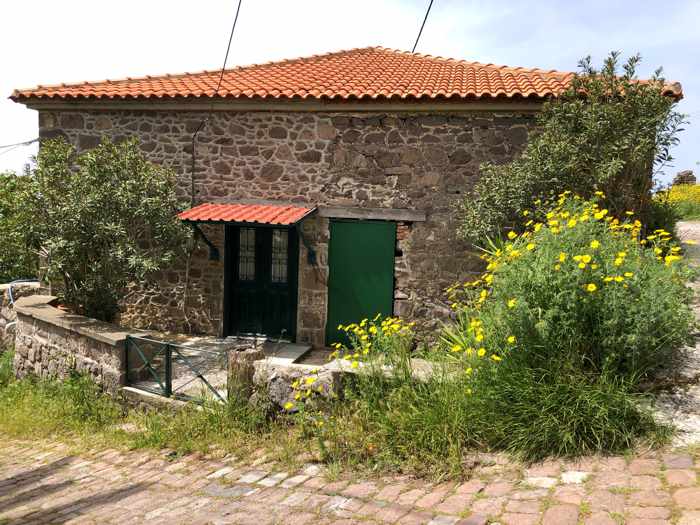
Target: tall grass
pixel 77 410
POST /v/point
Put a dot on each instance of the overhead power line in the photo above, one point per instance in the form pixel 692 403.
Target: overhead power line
pixel 420 32
pixel 17 144
pixel 211 107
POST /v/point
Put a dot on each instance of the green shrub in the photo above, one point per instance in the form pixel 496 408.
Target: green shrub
pixel 607 132
pixel 103 218
pixel 17 260
pixel 578 287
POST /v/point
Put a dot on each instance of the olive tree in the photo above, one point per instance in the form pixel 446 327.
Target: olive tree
pixel 101 219
pixel 608 132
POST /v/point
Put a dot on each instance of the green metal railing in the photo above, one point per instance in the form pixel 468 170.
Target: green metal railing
pixel 150 364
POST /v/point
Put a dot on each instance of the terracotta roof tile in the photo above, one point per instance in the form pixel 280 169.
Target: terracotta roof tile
pixel 281 214
pixel 367 73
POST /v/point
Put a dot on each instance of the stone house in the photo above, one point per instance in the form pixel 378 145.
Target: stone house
pixel 323 189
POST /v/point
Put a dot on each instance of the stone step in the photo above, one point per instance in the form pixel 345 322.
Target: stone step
pixel 284 353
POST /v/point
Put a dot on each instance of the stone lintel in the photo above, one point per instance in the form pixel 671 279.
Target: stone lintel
pixel 384 214
pixel 39 307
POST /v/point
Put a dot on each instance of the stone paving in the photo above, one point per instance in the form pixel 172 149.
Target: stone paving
pixel 44 483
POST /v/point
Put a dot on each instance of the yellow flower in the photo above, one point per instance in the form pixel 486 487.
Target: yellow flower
pixel 456 348
pixel 512 303
pixel 586 258
pixel 525 213
pixel 479 337
pixel 354 364
pixel 288 405
pixel 608 279
pixel 669 259
pixel 495 357
pixel 512 235
pixel 562 257
pixel 622 254
pixel 595 244
pixel 530 246
pixel 557 267
pixel 538 226
pixel 581 265
pixel 481 352
pixel 511 339
pixel 618 261
pixel 591 287
pixel 690 241
pixel 594 266
pixel 571 223
pixel 629 274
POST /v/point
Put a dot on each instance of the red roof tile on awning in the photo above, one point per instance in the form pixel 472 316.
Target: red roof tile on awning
pixel 282 214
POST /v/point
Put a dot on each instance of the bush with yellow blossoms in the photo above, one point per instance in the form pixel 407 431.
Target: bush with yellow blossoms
pixel 576 286
pixel 382 339
pixel 684 199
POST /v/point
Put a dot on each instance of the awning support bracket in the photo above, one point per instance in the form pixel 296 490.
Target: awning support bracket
pixel 213 250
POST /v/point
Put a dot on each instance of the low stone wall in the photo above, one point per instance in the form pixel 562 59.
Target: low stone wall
pixel 52 343
pixel 9 293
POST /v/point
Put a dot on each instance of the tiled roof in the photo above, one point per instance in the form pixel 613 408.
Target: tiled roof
pixel 367 73
pixel 281 214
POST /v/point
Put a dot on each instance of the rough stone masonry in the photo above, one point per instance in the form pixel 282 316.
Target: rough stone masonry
pixel 419 161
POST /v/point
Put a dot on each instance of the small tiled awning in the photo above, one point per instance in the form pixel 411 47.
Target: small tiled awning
pixel 280 214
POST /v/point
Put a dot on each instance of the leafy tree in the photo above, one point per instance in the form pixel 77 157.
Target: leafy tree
pixel 102 219
pixel 609 131
pixel 17 261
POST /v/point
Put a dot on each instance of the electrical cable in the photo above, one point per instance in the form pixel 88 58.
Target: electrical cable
pixel 211 107
pixel 25 143
pixel 194 164
pixel 420 32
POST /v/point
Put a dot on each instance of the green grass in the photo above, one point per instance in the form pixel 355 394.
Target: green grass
pixel 75 411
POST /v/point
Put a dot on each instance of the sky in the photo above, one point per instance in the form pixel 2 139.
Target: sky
pixel 48 42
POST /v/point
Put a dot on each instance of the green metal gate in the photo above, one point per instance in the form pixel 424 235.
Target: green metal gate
pixel 361 266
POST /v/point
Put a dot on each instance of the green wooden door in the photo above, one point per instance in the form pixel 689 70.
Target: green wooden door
pixel 261 281
pixel 361 267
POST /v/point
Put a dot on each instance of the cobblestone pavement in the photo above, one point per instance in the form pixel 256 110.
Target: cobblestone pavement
pixel 44 483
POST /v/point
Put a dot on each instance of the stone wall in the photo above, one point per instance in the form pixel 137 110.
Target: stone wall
pixel 418 161
pixel 8 317
pixel 51 343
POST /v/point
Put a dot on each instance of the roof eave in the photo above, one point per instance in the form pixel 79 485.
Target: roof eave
pixel 326 104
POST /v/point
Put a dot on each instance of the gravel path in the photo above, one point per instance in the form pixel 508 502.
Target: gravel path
pixel 680 404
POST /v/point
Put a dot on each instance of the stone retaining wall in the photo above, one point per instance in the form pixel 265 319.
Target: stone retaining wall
pixel 8 315
pixel 51 343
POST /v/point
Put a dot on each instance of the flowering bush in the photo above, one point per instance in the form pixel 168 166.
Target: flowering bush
pixel 387 339
pixel 578 287
pixel 684 198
